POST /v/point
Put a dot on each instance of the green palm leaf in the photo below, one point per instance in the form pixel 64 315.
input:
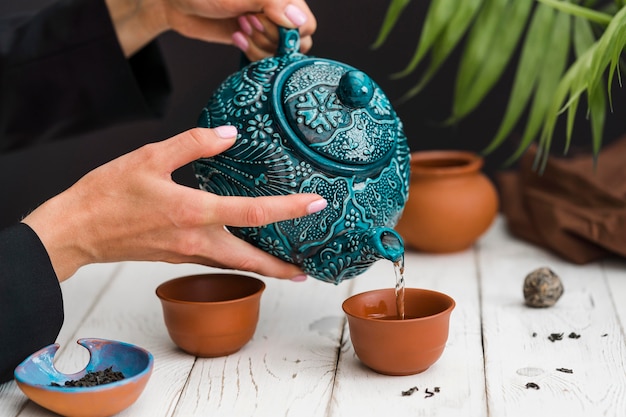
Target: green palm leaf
pixel 585 76
pixel 444 44
pixel 534 49
pixel 437 18
pixel 552 69
pixel 583 40
pixel 478 43
pixel 500 47
pixel 393 14
pixel 545 82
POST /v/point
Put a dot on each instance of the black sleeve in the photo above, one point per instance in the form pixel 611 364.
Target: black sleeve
pixel 31 304
pixel 62 72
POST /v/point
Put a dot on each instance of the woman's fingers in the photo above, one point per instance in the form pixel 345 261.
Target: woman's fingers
pixel 295 13
pixel 179 150
pixel 259 211
pixel 231 252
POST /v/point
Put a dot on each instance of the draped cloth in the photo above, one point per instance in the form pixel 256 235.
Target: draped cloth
pixel 573 208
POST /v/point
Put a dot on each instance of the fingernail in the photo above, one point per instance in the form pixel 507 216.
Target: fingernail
pixel 256 23
pixel 245 25
pixel 316 206
pixel 295 15
pixel 299 278
pixel 226 131
pixel 240 41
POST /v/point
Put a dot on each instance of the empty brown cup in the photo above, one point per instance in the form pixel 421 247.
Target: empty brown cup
pixel 393 346
pixel 211 315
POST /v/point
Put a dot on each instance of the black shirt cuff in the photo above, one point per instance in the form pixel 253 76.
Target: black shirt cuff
pixel 31 303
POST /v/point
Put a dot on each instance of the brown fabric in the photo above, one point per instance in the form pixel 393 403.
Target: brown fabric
pixel 574 209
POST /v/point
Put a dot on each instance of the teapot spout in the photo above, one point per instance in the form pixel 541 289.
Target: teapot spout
pixel 388 244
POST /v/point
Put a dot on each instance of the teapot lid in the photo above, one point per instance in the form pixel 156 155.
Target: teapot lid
pixel 336 114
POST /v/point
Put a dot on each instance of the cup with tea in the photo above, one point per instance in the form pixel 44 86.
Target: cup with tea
pixel 391 345
pixel 211 315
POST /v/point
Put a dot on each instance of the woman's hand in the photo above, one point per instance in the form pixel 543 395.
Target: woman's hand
pixel 258 37
pixel 131 209
pixel 251 25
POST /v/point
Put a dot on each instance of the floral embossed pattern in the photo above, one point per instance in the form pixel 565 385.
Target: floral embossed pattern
pixel 318 126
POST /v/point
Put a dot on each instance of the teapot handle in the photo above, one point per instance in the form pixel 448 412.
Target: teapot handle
pixel 288 43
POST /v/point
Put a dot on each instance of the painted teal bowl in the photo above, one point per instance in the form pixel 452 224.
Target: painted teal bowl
pixel 38 378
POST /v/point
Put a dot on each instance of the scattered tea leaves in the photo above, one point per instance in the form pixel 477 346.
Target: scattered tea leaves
pixel 555 336
pixel 92 379
pixel 532 385
pixel 565 370
pixel 428 392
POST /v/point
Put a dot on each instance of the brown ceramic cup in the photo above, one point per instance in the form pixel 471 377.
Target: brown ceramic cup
pixel 392 346
pixel 211 315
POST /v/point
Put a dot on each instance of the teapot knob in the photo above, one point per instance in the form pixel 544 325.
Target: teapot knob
pixel 355 89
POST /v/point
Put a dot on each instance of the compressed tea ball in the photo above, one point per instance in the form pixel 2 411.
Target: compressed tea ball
pixel 542 288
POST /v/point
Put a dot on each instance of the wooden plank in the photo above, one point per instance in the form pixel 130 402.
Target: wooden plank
pixel 459 371
pixel 615 271
pixel 128 310
pixel 288 369
pixel 79 292
pixel 517 348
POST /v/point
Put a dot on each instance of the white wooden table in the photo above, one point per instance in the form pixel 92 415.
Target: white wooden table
pixel 301 362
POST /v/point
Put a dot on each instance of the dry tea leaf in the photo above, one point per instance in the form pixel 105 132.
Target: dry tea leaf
pixel 94 378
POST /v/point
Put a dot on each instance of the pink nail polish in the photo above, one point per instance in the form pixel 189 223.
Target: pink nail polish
pixel 245 25
pixel 240 41
pixel 299 278
pixel 317 205
pixel 295 15
pixel 226 131
pixel 256 23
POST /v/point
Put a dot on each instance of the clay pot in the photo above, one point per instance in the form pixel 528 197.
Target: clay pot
pixel 211 315
pixel 451 202
pixel 392 346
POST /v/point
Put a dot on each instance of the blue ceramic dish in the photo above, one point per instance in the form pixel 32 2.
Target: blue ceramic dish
pixel 36 374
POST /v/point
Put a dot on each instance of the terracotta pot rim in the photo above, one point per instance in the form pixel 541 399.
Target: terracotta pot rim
pixel 160 289
pixel 407 320
pixel 445 162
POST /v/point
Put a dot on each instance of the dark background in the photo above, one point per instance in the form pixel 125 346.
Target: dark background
pixel 346 30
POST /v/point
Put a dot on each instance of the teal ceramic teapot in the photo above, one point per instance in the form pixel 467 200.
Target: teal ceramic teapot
pixel 311 125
